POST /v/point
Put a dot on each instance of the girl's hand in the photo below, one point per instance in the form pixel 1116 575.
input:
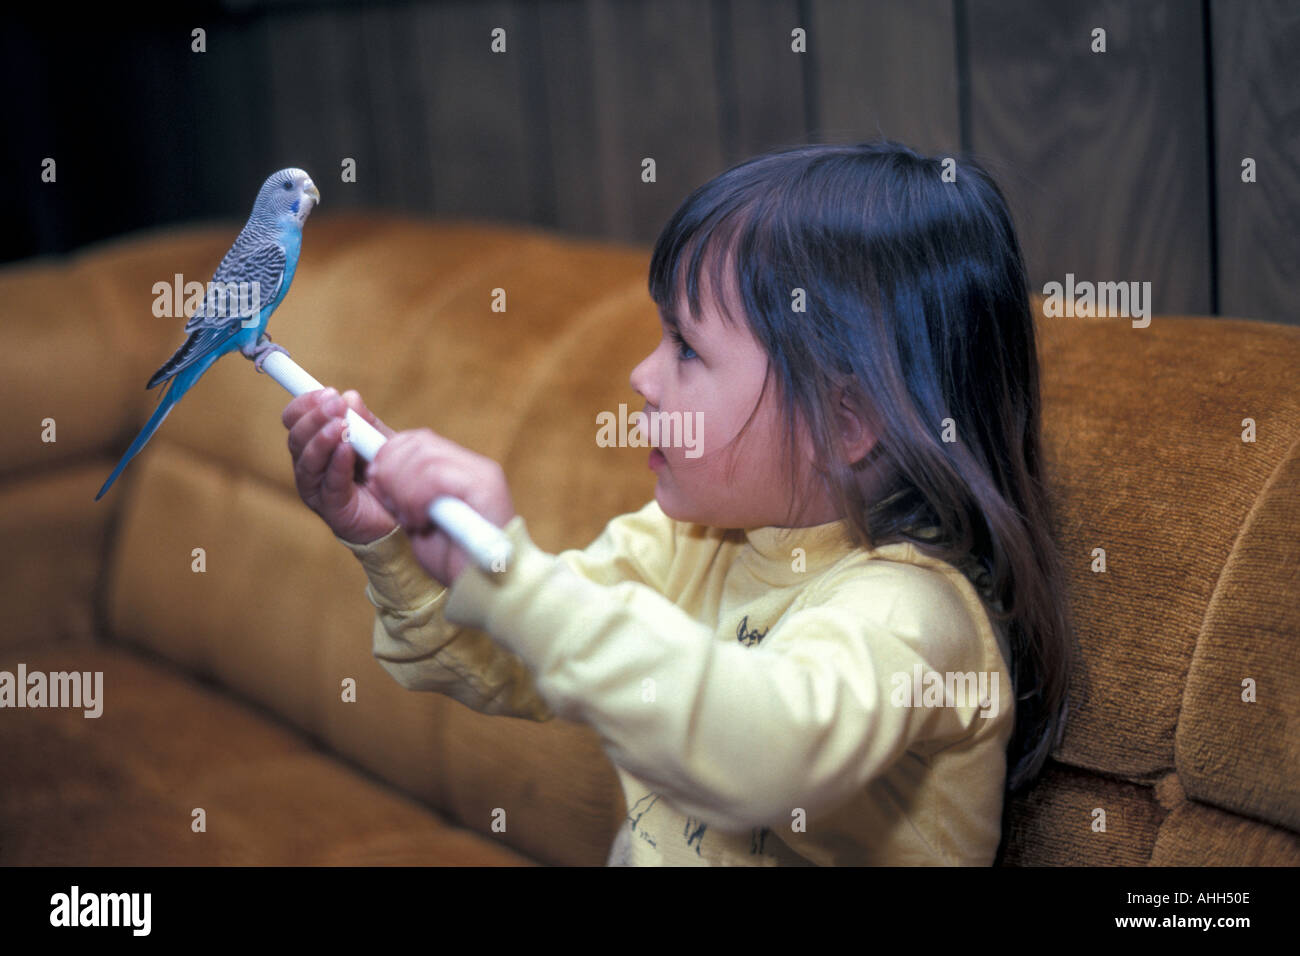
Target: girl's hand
pixel 326 469
pixel 415 467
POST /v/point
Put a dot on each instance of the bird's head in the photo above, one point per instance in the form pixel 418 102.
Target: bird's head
pixel 287 194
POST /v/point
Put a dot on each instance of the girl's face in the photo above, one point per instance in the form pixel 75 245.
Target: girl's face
pixel 718 373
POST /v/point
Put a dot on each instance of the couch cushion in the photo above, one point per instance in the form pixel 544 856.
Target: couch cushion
pixel 1057 822
pixel 1233 752
pixel 120 789
pixel 1143 428
pixel 55 539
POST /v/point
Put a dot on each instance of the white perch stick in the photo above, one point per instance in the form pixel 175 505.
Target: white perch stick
pixel 484 541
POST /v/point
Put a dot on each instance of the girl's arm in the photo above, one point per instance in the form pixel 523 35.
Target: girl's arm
pixel 412 639
pixel 745 736
pixel 422 650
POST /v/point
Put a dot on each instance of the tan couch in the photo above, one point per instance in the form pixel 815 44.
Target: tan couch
pixel 222 687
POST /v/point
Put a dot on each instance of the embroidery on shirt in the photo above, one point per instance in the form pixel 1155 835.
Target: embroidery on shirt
pixel 694 833
pixel 634 820
pixel 747 637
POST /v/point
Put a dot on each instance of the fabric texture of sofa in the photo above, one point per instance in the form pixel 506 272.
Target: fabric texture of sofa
pixel 222 686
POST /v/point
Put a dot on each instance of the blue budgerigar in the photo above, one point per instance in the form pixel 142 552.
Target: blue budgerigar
pixel 265 253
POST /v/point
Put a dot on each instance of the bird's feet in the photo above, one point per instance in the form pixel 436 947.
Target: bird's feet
pixel 262 349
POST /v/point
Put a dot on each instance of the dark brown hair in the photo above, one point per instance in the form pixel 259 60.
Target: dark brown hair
pixel 916 311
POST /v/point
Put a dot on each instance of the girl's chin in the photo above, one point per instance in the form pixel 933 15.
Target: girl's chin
pixel 676 509
pixel 667 504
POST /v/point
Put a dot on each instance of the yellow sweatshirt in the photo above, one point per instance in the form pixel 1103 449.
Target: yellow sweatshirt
pixel 768 696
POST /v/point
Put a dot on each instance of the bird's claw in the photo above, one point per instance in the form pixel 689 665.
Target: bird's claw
pixel 263 350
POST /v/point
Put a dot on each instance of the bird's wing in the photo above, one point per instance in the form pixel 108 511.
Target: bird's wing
pixel 211 327
pixel 200 343
pixel 260 262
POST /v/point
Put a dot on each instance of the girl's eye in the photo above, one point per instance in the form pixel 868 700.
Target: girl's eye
pixel 681 344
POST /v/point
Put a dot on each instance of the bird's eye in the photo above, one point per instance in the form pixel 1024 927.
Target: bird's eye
pixel 288 185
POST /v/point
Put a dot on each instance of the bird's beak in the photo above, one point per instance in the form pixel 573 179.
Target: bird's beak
pixel 313 192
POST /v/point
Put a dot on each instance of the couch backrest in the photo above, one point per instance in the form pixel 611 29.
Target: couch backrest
pixel 1197 607
pixel 1143 429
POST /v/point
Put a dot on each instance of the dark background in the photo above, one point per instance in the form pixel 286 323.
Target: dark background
pixel 1122 166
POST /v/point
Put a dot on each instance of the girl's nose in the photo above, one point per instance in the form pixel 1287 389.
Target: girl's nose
pixel 641 379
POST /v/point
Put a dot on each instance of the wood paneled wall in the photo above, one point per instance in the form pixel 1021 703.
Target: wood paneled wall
pixel 1122 165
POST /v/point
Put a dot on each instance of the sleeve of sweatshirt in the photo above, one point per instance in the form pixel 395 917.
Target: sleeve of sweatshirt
pixel 737 736
pixel 416 644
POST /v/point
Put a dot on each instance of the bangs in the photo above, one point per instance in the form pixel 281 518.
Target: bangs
pixel 692 246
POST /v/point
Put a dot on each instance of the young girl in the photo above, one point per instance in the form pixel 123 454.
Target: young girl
pixel 838 635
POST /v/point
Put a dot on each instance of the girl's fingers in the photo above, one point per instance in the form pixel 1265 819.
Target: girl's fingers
pixel 336 484
pixel 315 458
pixel 415 467
pixel 308 424
pixel 420 484
pixel 416 487
pixel 302 404
pixel 297 408
pixel 398 470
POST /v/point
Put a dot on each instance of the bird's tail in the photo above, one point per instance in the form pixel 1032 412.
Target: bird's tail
pixel 165 405
pixel 176 388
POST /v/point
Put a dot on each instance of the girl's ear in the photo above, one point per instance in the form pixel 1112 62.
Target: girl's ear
pixel 855 434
